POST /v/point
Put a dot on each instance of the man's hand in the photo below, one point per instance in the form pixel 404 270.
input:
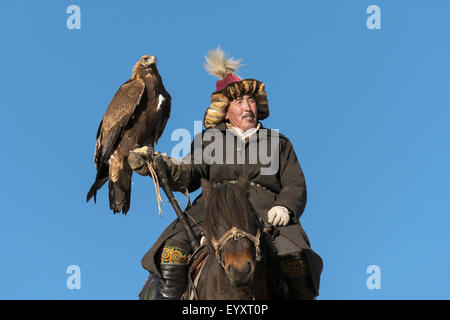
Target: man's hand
pixel 136 160
pixel 278 216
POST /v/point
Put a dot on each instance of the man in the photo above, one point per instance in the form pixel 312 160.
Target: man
pixel 277 191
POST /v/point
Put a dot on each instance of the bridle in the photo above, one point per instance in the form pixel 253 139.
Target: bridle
pixel 235 234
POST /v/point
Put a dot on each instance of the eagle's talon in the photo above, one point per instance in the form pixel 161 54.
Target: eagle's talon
pixel 149 155
pixel 143 151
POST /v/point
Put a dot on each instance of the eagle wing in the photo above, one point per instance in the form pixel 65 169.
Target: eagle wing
pixel 116 118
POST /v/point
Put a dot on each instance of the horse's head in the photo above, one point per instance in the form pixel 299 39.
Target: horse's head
pixel 232 228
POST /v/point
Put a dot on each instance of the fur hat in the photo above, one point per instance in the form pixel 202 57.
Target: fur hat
pixel 229 87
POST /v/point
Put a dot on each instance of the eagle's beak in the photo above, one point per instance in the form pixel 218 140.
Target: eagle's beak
pixel 150 61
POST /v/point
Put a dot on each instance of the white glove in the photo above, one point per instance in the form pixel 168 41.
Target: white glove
pixel 278 216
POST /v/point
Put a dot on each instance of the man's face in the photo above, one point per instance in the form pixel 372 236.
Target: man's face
pixel 242 112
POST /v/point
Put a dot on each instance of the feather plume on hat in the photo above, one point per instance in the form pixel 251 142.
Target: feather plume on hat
pixel 220 65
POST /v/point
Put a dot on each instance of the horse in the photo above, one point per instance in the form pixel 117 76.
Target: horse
pixel 241 263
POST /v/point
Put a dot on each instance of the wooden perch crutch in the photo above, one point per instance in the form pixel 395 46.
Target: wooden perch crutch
pixel 162 172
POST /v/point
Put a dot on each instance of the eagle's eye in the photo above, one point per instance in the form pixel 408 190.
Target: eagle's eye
pixel 148 61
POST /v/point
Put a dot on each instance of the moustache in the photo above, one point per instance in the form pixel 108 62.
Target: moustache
pixel 249 115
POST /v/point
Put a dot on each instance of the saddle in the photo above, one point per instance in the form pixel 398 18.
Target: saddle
pixel 196 263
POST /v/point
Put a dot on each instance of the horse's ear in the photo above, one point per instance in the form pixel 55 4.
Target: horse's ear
pixel 206 188
pixel 244 182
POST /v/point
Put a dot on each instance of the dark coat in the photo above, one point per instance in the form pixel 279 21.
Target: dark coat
pixel 286 187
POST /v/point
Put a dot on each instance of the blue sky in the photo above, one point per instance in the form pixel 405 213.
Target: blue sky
pixel 366 110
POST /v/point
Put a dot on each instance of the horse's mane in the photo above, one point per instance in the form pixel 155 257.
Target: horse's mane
pixel 227 205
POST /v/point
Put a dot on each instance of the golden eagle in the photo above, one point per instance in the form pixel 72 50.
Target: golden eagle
pixel 136 116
